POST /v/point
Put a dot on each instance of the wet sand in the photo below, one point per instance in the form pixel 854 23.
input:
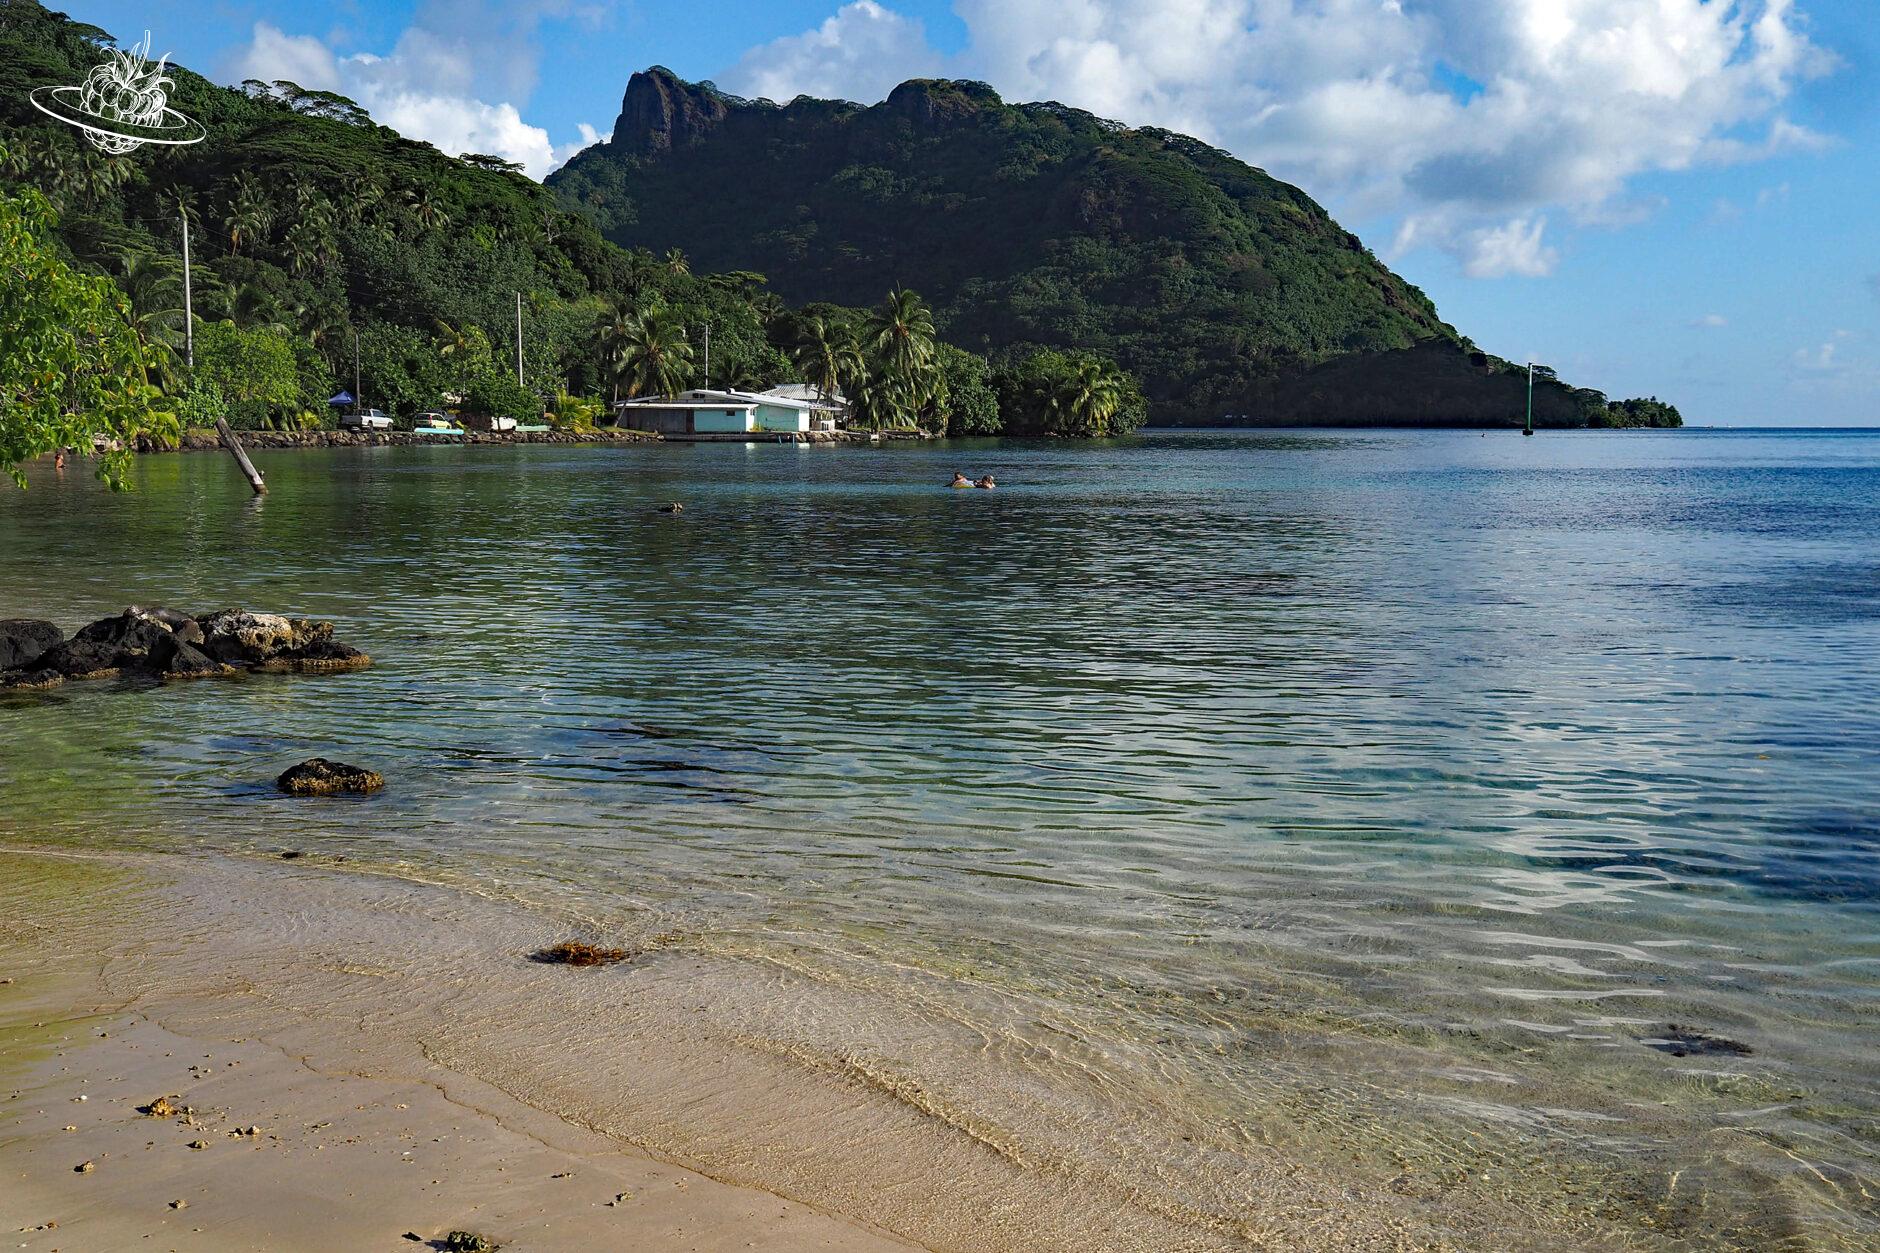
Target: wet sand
pixel 357 1148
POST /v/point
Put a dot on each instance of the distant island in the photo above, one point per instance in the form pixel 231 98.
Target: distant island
pixel 1233 296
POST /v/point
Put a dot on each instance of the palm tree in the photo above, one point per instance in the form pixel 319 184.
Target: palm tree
pixel 252 309
pixel 154 291
pixel 1086 402
pixel 901 340
pixel 20 157
pixel 676 262
pixel 427 208
pixel 613 329
pixel 156 294
pixel 825 352
pixel 656 360
pixel 248 215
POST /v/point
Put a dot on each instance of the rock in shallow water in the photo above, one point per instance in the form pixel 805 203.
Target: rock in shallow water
pixel 171 645
pixel 244 638
pixel 319 777
pixel 24 641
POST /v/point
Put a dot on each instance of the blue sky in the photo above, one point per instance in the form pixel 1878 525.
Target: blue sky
pixel 1671 197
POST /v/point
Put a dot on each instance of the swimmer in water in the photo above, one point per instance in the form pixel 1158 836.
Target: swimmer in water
pixel 986 482
pixel 960 480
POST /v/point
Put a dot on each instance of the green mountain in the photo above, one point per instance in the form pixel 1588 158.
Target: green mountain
pixel 1227 291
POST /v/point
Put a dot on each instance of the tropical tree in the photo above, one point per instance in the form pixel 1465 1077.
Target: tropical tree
pixel 656 359
pixel 248 215
pixel 1086 401
pixel 427 208
pixel 824 352
pixel 73 371
pixel 900 340
pixel 613 330
pixel 676 264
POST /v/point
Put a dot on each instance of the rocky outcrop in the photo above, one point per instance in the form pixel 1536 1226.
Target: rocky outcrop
pixel 661 112
pixel 166 644
pixel 319 777
pixel 24 640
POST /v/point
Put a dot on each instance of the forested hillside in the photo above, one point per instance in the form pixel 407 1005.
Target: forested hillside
pixel 1037 224
pixel 316 232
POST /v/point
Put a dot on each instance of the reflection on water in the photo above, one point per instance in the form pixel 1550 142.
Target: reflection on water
pixel 1218 769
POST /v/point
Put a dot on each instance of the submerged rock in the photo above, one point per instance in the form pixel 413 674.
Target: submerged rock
pixel 1686 1042
pixel 319 777
pixel 24 641
pixel 322 657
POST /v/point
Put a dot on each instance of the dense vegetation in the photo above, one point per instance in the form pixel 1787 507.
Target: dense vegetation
pixel 72 368
pixel 329 252
pixel 1039 225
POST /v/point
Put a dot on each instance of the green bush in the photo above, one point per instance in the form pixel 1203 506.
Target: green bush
pixel 497 395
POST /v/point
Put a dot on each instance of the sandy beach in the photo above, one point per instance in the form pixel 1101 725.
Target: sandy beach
pixel 364 1144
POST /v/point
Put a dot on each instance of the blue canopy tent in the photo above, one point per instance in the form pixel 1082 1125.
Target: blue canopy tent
pixel 342 400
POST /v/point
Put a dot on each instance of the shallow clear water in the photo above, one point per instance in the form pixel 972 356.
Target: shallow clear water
pixel 1377 798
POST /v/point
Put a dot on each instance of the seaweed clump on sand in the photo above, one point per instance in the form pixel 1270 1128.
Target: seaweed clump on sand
pixel 468 1242
pixel 580 953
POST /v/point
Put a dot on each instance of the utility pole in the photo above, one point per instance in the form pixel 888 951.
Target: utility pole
pixel 189 313
pixel 519 382
pixel 708 354
pixel 359 397
pixel 1529 428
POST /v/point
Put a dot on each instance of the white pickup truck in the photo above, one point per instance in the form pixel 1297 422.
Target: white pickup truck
pixel 366 420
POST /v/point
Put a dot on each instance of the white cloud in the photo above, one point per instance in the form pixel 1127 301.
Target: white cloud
pixel 1823 359
pixel 862 50
pixel 423 88
pixel 272 55
pixel 1469 121
pixel 1710 322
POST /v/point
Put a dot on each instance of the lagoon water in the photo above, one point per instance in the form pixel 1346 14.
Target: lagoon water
pixel 1335 838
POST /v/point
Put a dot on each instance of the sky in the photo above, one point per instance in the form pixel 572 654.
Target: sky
pixel 1655 197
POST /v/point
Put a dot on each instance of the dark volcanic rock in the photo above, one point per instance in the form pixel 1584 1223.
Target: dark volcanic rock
pixel 24 640
pixel 129 637
pixel 319 777
pixel 29 680
pixel 82 659
pixel 176 658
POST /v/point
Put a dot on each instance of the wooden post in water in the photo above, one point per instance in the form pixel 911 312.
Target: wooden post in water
pixel 241 458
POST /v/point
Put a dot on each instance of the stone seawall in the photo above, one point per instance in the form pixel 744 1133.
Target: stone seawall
pixel 204 440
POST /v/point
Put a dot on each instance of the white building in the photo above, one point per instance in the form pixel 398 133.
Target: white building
pixel 710 414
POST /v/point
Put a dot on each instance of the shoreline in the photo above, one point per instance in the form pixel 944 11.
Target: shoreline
pixel 205 440
pixel 357 1143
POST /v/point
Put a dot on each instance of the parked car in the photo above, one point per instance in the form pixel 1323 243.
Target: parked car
pixel 366 420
